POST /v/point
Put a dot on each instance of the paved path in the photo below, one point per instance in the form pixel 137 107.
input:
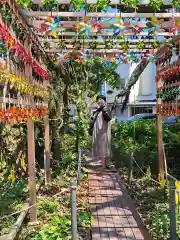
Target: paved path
pixel 115 216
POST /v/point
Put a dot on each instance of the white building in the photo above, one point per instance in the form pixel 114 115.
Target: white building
pixel 143 95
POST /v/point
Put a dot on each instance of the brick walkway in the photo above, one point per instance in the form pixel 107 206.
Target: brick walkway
pixel 115 216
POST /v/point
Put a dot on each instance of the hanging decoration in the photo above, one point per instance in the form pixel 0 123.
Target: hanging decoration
pixel 84 28
pixel 132 57
pixel 170 95
pixel 19 51
pixel 51 26
pixel 24 86
pixel 19 28
pixel 155 25
pixel 15 115
pixel 173 70
pixel 119 26
pixel 96 26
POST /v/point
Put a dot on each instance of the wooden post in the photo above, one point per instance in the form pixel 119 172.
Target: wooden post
pixel 47 150
pixel 159 131
pixel 130 172
pixel 31 170
pixel 160 144
pixel 172 209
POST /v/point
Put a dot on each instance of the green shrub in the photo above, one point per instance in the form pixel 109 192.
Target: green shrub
pixel 140 137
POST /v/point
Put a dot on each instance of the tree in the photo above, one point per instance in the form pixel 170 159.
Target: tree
pixel 71 83
pixel 132 81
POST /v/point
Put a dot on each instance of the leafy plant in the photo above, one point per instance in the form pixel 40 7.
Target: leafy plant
pixel 140 137
pixel 86 219
pixel 47 45
pixel 46 206
pixel 131 3
pixel 125 46
pixel 155 44
pixel 156 4
pixel 109 44
pixel 140 45
pixel 78 4
pixel 92 45
pixel 61 44
pixel 176 3
pixel 103 4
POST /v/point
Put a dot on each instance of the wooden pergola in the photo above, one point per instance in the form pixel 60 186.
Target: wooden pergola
pixel 69 19
pixel 137 18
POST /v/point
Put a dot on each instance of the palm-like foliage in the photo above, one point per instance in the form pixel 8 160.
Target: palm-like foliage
pixel 125 92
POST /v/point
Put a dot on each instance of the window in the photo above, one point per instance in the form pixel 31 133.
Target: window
pixel 139 110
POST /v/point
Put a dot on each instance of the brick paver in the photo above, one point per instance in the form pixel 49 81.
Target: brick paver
pixel 115 216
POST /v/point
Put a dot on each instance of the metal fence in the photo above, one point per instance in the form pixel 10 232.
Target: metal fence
pixel 74 185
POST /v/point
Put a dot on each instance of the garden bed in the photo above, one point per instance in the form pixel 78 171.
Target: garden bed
pixel 54 211
pixel 53 208
pixel 12 198
pixel 152 204
pixel 152 201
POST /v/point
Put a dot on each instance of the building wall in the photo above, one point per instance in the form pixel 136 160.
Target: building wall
pixel 143 90
pixel 145 87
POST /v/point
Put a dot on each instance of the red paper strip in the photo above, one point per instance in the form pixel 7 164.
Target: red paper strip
pixel 21 52
pixel 17 114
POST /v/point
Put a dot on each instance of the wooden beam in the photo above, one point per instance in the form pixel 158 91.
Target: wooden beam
pixel 47 150
pixel 113 2
pixel 99 51
pixel 39 14
pixel 99 41
pixel 23 103
pixel 105 25
pixel 86 46
pixel 109 34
